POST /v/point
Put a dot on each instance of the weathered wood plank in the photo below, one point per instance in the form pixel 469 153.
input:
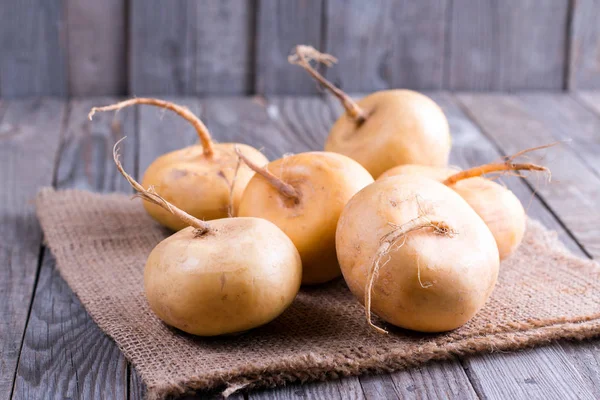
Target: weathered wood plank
pixel 574 193
pixel 531 374
pixel 470 148
pixel 161 47
pixel 343 389
pixel 250 120
pixel 161 131
pixel 568 121
pixel 281 26
pixel 33 53
pixel 584 59
pixel 507 45
pixel 224 47
pixel 386 43
pixel 590 100
pixel 137 389
pixel 586 356
pixel 191 47
pixel 97 40
pixel 29 142
pixel 64 351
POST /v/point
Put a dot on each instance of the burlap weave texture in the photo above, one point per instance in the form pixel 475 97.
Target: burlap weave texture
pixel 101 243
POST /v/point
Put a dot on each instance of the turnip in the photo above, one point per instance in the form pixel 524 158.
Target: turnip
pixel 499 208
pixel 386 128
pixel 199 178
pixel 222 277
pixel 415 253
pixel 304 194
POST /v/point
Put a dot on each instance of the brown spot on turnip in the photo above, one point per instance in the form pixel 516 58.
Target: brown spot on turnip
pixel 178 173
pixel 223 281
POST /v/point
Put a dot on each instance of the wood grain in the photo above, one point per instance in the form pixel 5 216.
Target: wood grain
pixel 64 352
pixel 584 60
pixel 224 51
pixel 280 27
pixel 386 43
pixel 507 45
pixel 191 47
pixel 574 193
pixel 97 45
pixel 32 48
pixel 27 160
pixel 162 37
pixel 568 121
pixel 590 100
pixel 161 131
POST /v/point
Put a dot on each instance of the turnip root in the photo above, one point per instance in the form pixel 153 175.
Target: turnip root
pixel 499 208
pixel 199 178
pixel 386 128
pixel 415 253
pixel 304 194
pixel 222 277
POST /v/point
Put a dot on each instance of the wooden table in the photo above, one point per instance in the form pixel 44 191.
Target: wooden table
pixel 50 348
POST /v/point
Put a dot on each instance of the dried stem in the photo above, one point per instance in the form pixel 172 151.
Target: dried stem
pixel 303 55
pixel 184 112
pixel 387 244
pixel 505 166
pixel 151 196
pixel 284 188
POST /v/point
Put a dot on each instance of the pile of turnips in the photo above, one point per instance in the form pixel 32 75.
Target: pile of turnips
pixel 420 246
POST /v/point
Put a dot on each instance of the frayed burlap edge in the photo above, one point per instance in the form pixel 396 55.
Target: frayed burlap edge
pixel 336 369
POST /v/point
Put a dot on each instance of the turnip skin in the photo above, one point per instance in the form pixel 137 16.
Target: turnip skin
pixel 384 129
pixel 243 274
pixel 435 173
pixel 324 183
pixel 199 184
pixel 402 127
pixel 499 208
pixel 432 282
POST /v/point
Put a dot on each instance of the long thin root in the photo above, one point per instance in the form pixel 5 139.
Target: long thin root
pixel 184 112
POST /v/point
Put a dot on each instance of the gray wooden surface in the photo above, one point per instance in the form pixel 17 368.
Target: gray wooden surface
pixel 50 347
pixel 202 47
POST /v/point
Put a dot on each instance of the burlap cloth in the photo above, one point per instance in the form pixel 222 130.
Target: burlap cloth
pixel 101 243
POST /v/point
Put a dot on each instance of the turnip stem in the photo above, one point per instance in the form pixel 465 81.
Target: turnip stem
pixel 184 112
pixel 151 196
pixel 492 167
pixel 284 188
pixel 387 244
pixel 303 56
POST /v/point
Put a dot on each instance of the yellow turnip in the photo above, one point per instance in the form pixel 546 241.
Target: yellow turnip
pixel 222 277
pixel 199 178
pixel 415 253
pixel 304 194
pixel 386 128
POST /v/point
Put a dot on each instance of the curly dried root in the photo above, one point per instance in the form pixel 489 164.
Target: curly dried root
pixel 303 55
pixel 388 241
